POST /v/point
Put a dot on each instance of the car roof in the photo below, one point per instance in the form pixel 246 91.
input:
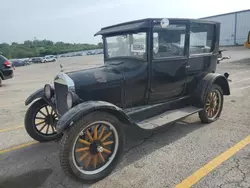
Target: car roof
pixel 145 23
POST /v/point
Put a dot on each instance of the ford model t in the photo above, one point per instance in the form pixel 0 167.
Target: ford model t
pixel 155 72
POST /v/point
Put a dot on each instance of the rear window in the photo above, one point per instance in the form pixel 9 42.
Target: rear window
pixel 2 59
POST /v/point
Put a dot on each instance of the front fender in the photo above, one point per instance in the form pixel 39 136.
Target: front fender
pixel 37 94
pixel 205 84
pixel 84 108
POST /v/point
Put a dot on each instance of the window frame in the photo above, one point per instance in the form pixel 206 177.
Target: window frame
pixel 213 42
pixel 186 42
pixel 105 45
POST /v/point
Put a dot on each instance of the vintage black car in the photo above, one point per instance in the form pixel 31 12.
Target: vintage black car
pixel 156 71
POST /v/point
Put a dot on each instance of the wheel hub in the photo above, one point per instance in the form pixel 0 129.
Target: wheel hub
pixel 95 147
pixel 50 119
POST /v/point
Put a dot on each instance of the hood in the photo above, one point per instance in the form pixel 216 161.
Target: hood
pixel 95 76
pixel 100 83
pixel 105 82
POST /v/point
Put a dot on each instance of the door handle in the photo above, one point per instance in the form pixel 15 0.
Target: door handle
pixel 188 66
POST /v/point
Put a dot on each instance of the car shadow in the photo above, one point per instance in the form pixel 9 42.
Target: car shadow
pixel 138 144
pixel 158 138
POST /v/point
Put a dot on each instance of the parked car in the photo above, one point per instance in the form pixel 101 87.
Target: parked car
pixel 100 52
pixel 49 58
pixel 147 81
pixel 17 63
pixel 6 70
pixel 37 60
pixel 90 53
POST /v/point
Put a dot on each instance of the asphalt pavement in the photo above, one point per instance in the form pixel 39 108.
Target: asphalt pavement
pixel 165 158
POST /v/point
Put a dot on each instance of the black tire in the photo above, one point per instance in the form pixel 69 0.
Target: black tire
pixel 69 140
pixel 203 115
pixel 1 81
pixel 30 125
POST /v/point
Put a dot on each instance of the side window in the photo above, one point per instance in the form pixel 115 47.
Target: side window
pixel 169 41
pixel 201 38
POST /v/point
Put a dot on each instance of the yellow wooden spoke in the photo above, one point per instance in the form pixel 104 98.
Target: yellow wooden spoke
pixel 95 161
pixel 84 142
pixel 89 135
pixel 207 108
pixel 101 133
pixel 107 143
pixel 83 156
pixel 82 149
pixel 106 136
pixel 106 151
pixel 101 156
pixel 88 161
pixel 95 132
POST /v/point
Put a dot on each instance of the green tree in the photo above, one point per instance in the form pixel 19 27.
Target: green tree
pixel 42 47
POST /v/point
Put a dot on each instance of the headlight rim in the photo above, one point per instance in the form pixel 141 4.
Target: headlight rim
pixel 48 88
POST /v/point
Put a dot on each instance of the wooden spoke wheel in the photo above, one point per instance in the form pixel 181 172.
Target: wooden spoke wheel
pixel 95 147
pixel 213 105
pixel 92 147
pixel 46 120
pixel 40 122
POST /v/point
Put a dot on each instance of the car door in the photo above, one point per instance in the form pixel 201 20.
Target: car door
pixel 169 62
pixel 201 47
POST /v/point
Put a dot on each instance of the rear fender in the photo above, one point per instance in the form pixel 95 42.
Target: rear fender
pixel 205 84
pixel 85 108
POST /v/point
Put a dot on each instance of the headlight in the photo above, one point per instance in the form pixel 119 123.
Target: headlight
pixel 69 100
pixel 48 91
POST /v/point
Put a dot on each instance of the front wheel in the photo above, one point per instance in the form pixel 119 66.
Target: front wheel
pixel 92 147
pixel 40 121
pixel 213 105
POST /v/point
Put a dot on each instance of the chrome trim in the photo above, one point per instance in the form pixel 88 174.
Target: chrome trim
pixel 64 79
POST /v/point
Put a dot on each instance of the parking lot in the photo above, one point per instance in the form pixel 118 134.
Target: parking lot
pixel 184 154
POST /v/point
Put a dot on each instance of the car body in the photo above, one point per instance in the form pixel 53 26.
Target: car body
pixel 6 70
pixel 49 58
pixel 156 71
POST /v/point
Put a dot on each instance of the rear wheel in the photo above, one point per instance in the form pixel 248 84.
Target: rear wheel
pixel 213 105
pixel 92 147
pixel 40 122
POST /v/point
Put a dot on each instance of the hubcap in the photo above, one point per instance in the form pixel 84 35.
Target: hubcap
pixel 45 121
pixel 95 147
pixel 213 104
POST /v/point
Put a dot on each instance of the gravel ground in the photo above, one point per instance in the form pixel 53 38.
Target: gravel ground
pixel 162 159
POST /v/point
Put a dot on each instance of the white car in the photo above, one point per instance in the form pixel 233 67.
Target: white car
pixel 49 58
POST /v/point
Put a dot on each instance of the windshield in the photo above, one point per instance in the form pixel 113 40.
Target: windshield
pixel 128 45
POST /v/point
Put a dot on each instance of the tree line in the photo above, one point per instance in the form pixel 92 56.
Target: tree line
pixel 39 48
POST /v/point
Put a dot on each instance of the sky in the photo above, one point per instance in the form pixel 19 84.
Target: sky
pixel 76 21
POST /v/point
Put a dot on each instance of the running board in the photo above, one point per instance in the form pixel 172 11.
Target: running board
pixel 168 117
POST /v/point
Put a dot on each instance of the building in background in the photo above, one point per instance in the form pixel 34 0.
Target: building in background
pixel 235 27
